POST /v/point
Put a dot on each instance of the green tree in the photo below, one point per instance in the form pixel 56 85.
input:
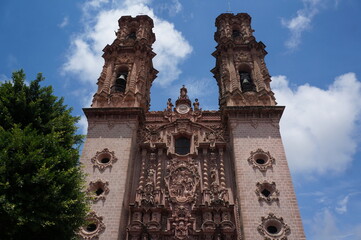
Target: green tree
pixel 41 183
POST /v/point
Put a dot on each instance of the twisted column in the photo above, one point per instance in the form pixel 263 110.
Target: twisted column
pixel 205 169
pixel 142 169
pixel 222 175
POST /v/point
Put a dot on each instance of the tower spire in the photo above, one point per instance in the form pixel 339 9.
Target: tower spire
pixel 128 70
pixel 240 70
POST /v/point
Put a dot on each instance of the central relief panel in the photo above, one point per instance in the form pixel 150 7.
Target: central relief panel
pixel 182 179
pixel 181 189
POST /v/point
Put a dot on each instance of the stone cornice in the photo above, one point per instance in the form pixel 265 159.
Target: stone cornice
pixel 134 113
pixel 251 112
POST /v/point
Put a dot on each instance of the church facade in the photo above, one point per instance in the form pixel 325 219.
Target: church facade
pixel 185 172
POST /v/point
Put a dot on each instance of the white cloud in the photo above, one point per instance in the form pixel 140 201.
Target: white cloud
pixel 342 205
pixel 319 126
pixel 64 23
pixel 173 7
pixel 325 227
pixel 84 59
pixel 298 24
pixel 83 125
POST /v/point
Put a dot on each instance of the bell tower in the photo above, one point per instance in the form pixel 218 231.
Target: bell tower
pixel 241 72
pixel 265 196
pixel 117 112
pixel 128 71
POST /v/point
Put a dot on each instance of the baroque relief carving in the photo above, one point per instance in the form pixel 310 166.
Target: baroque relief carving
pixel 171 192
pixel 147 193
pixel 217 134
pixel 104 159
pixel 261 160
pixel 99 189
pixel 182 179
pixel 273 228
pixel 94 227
pixel 267 191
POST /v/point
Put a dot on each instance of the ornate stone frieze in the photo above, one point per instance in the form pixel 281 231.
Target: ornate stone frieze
pixel 149 134
pixel 217 134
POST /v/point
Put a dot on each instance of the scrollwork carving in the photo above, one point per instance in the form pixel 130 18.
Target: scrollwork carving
pixel 99 189
pixel 273 228
pixel 104 159
pixel 94 227
pixel 267 191
pixel 261 160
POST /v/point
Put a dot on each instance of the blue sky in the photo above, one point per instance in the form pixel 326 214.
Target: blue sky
pixel 313 55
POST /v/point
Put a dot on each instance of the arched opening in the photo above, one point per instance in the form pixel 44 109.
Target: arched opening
pixel 132 35
pixel 247 84
pixel 120 83
pixel 236 33
pixel 182 145
pixel 245 77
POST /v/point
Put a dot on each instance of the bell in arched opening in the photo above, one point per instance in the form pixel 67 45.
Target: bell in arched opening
pixel 120 83
pixel 247 84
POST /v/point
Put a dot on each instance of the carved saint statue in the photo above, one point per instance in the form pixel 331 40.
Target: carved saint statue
pixel 169 105
pixel 183 93
pixel 196 105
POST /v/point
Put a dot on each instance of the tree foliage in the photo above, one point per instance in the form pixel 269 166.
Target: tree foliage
pixel 41 183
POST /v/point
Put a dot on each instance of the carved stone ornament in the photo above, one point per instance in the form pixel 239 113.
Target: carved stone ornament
pixel 182 179
pixel 104 159
pixel 147 193
pixel 273 228
pixel 149 134
pixel 216 135
pixel 267 191
pixel 93 228
pixel 261 160
pixel 98 189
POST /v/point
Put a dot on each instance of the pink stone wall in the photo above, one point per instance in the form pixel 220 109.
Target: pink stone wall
pixel 118 137
pixel 265 135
